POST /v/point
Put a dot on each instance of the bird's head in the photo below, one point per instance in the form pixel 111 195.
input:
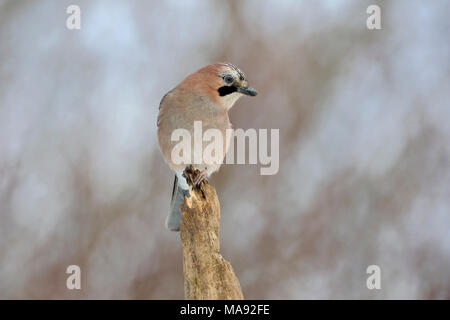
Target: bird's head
pixel 222 82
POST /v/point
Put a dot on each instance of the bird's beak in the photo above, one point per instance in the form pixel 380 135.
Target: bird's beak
pixel 249 91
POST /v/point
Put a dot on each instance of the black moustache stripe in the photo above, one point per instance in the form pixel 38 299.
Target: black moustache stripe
pixel 225 90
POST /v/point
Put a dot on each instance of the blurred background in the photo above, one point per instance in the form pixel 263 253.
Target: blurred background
pixel 364 147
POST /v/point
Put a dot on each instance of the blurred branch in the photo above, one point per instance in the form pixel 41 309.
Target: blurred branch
pixel 207 275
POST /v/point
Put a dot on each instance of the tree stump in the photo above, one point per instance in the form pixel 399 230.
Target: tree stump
pixel 207 275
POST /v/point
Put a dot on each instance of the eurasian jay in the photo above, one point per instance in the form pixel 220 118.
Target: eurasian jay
pixel 205 95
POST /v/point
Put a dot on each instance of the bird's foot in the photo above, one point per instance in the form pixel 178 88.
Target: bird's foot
pixel 200 177
pixel 194 176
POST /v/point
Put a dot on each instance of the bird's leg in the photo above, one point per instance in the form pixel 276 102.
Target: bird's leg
pixel 200 177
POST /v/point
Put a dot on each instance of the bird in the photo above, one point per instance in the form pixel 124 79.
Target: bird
pixel 205 95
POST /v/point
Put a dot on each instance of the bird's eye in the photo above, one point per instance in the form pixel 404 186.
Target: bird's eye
pixel 228 79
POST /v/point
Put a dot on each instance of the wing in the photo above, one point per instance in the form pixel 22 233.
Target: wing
pixel 161 107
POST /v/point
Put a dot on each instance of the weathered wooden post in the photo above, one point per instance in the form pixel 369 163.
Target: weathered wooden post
pixel 207 275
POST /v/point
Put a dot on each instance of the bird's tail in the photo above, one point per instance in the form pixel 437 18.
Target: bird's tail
pixel 174 217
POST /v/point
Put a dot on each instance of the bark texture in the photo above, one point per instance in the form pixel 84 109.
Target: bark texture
pixel 207 275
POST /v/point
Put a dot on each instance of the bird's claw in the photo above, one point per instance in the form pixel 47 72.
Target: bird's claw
pixel 200 177
pixel 195 176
